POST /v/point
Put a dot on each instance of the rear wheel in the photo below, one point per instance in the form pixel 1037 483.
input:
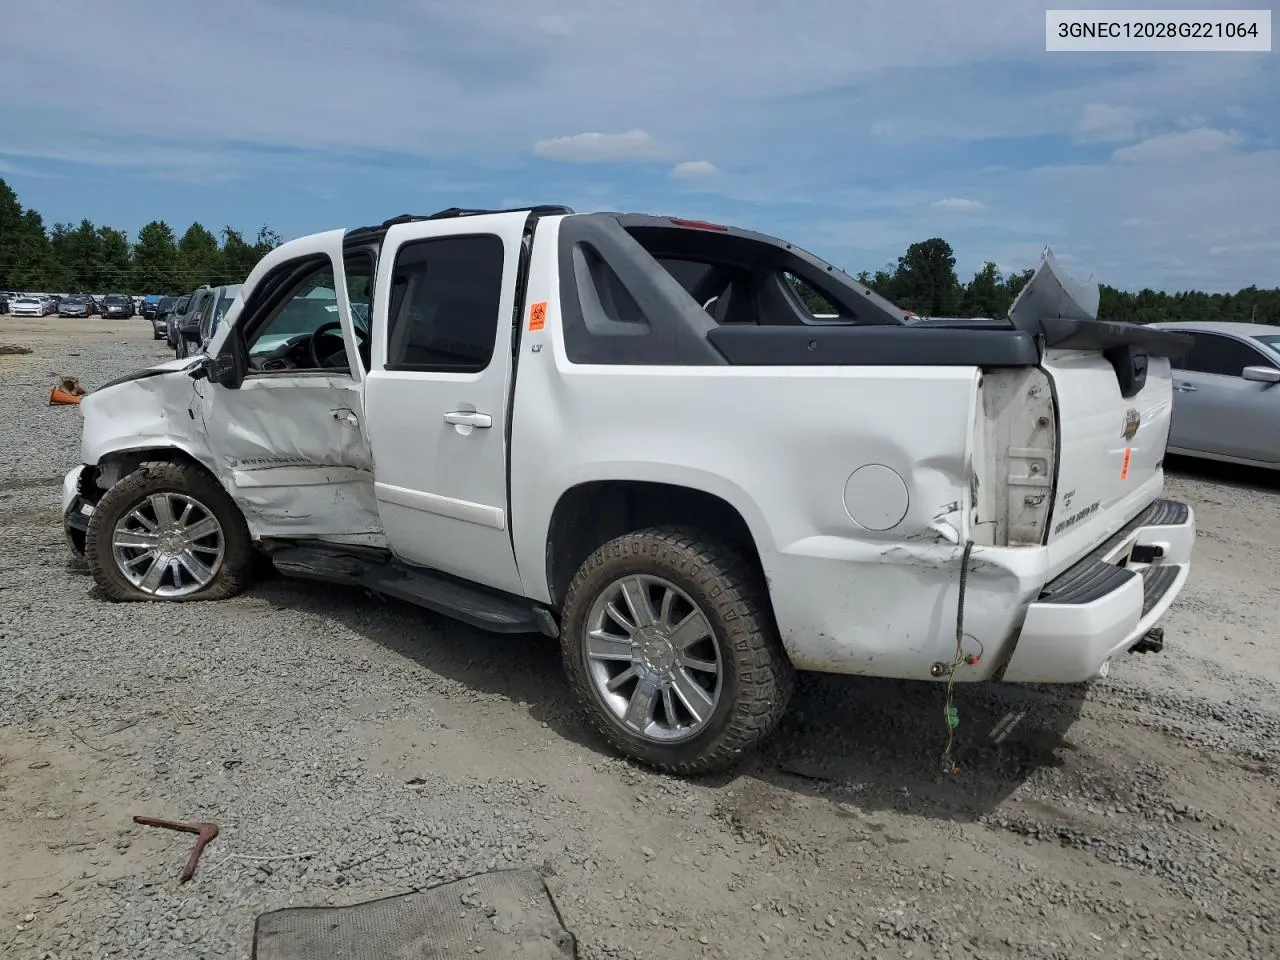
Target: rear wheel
pixel 168 531
pixel 668 640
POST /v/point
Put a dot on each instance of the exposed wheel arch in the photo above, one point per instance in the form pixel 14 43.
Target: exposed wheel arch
pixel 112 466
pixel 595 512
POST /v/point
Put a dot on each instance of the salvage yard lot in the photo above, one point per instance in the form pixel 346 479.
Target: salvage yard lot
pixel 351 748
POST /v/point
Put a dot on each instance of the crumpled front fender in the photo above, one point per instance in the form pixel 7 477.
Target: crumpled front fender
pixel 153 409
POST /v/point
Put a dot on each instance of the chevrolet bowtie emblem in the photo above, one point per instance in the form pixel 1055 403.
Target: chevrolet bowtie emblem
pixel 1132 421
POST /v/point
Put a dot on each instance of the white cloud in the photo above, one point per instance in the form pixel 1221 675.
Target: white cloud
pixel 957 205
pixel 1104 123
pixel 694 170
pixel 599 147
pixel 1187 144
pixel 866 121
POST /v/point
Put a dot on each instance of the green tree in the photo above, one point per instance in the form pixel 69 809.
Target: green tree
pixel 238 257
pixel 25 255
pixel 115 269
pixel 80 252
pixel 199 258
pixel 925 280
pixel 986 294
pixel 155 261
pixel 31 257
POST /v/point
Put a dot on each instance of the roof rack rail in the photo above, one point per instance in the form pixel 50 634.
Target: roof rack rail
pixel 543 210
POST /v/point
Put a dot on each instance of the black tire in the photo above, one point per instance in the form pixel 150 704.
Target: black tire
pixel 232 575
pixel 757 680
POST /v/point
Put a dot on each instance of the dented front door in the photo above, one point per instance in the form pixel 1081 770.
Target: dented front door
pixel 289 442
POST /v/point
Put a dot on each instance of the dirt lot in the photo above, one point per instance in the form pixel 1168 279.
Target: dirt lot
pixel 351 748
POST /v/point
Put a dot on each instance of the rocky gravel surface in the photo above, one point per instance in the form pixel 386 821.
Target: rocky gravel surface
pixel 350 749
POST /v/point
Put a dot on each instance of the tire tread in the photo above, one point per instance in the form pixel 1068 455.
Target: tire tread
pixel 738 597
pixel 151 476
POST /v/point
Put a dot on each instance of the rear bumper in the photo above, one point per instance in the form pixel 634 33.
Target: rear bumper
pixel 1104 604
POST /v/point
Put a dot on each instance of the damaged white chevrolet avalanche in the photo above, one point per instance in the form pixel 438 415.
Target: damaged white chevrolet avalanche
pixel 634 433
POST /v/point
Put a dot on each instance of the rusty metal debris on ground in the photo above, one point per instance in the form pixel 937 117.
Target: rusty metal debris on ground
pixel 205 832
pixel 67 391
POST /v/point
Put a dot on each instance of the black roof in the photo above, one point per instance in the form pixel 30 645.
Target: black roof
pixel 375 231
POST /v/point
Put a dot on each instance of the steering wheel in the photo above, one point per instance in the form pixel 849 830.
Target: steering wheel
pixel 333 328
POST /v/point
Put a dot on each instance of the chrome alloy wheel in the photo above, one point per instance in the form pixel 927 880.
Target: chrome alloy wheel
pixel 168 545
pixel 653 658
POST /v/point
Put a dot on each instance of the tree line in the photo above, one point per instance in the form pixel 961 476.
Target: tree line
pixel 925 281
pixel 88 258
pixel 84 258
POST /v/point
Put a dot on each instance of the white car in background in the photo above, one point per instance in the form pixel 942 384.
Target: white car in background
pixel 28 307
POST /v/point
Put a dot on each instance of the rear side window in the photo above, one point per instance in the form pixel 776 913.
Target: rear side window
pixel 445 297
pixel 1223 356
pixel 814 303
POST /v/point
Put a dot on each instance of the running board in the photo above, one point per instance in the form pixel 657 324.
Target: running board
pixel 472 604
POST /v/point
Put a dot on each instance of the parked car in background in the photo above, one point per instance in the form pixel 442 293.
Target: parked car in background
pixel 4 303
pixel 75 306
pixel 149 304
pixel 28 307
pixel 116 306
pixel 160 318
pixel 1226 393
pixel 193 302
pixel 198 326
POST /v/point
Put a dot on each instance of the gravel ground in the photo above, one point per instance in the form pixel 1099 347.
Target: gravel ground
pixel 351 749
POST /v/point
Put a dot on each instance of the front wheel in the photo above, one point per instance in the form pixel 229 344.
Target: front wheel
pixel 168 531
pixel 668 640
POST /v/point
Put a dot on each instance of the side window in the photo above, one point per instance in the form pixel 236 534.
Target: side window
pixel 443 312
pixel 813 302
pixel 1221 355
pixel 308 304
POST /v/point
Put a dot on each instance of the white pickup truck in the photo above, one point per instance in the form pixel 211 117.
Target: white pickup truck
pixel 631 433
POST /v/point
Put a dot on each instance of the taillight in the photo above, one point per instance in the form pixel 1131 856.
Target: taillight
pixel 1015 459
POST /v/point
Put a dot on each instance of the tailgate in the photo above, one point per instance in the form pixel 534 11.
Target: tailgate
pixel 1110 447
pixel 1113 395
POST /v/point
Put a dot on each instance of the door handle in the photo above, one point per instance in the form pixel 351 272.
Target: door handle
pixel 1185 388
pixel 465 418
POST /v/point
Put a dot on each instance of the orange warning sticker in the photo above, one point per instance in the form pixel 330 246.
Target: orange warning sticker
pixel 538 315
pixel 1124 465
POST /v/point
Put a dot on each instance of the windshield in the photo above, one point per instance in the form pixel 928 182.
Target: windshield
pixel 115 298
pixel 165 303
pixel 73 300
pixel 1271 341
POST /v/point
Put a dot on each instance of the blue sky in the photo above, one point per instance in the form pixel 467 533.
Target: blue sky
pixel 851 129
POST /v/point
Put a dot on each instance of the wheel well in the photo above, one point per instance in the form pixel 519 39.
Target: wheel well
pixel 591 514
pixel 114 466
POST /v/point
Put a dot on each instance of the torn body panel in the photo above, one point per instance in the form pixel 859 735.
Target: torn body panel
pixel 153 409
pixel 291 452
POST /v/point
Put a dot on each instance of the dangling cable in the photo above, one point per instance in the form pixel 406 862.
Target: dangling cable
pixel 951 716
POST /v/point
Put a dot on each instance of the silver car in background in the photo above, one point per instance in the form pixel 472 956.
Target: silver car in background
pixel 1226 393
